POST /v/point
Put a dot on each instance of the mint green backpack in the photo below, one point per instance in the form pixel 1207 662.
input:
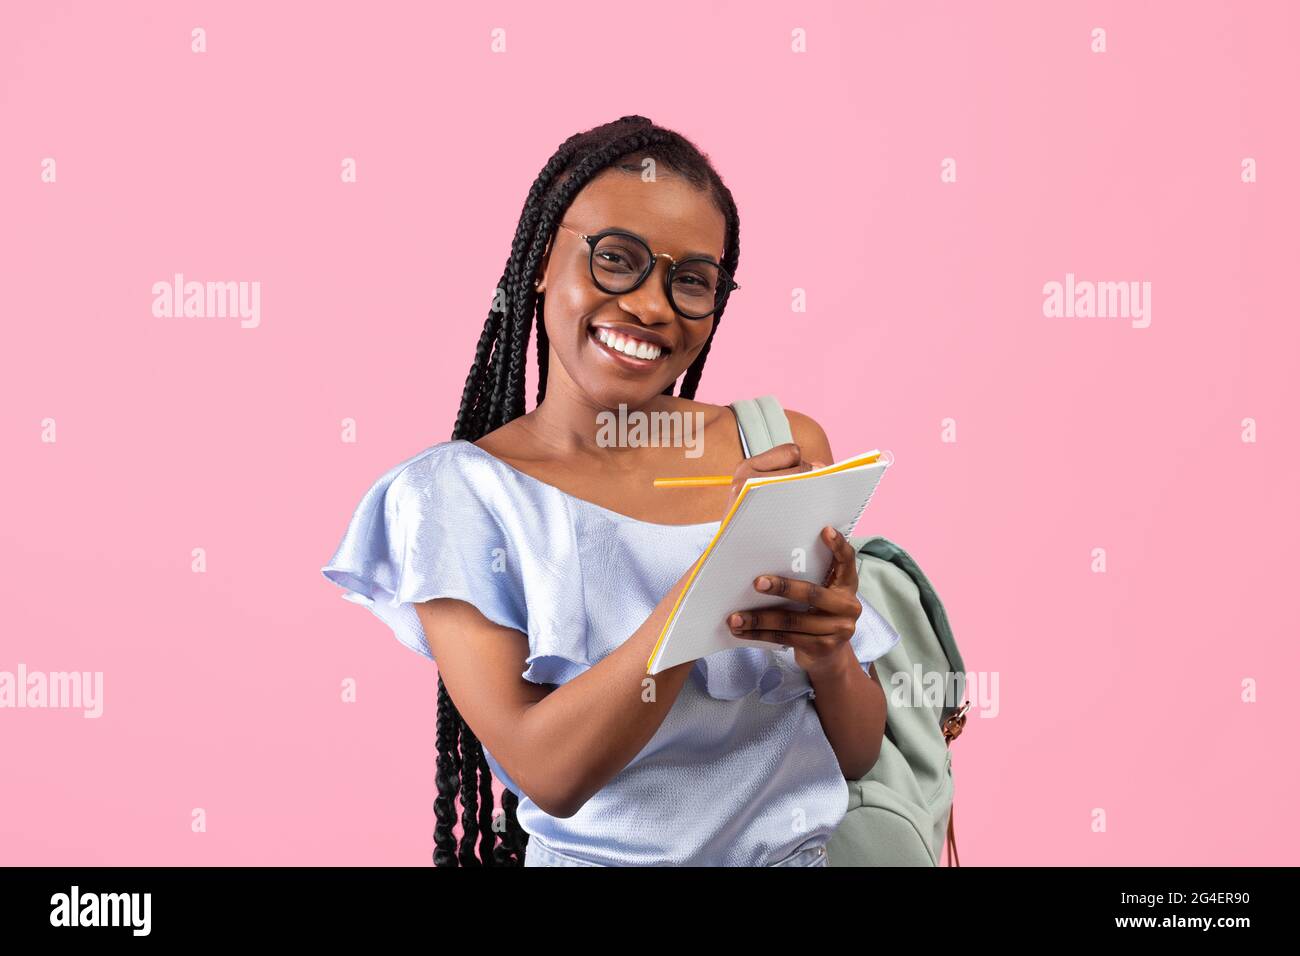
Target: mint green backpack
pixel 898 813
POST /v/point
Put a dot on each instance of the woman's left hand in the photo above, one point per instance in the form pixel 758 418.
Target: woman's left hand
pixel 820 635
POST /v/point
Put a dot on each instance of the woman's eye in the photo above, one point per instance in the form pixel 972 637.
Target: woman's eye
pixel 696 284
pixel 612 261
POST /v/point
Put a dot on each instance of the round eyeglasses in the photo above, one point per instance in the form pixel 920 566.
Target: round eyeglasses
pixel 696 286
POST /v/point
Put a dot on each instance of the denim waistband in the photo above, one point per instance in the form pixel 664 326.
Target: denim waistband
pixel 539 854
pixel 807 856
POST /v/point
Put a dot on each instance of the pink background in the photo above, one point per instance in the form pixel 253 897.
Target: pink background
pixel 1119 691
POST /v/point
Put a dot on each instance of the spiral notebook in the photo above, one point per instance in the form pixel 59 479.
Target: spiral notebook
pixel 774 521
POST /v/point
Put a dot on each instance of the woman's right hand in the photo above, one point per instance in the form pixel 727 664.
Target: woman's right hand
pixel 779 460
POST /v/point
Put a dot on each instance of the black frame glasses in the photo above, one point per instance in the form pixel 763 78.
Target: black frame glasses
pixel 726 285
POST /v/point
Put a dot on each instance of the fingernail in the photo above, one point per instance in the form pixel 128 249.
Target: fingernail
pixel 734 620
pixel 764 583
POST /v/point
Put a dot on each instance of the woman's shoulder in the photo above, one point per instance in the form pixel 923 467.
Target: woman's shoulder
pixel 435 461
pixel 800 422
pixel 806 431
pixel 458 460
pixel 809 436
pixel 455 474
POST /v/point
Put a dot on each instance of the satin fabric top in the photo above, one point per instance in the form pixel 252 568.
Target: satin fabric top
pixel 739 773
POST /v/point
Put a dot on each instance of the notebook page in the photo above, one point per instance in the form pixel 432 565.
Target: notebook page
pixel 772 520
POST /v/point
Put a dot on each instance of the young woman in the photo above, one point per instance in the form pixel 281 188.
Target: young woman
pixel 536 562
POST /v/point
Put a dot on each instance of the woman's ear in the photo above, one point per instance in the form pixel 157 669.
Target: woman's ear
pixel 539 282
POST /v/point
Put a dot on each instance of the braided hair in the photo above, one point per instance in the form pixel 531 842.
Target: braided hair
pixel 494 395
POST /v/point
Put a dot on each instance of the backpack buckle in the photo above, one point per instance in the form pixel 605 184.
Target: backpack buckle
pixel 952 726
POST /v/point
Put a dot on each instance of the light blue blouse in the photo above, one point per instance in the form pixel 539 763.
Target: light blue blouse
pixel 739 773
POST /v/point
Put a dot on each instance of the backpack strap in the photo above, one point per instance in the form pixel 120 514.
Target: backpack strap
pixel 763 424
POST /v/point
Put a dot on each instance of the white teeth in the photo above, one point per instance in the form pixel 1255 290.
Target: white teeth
pixel 629 346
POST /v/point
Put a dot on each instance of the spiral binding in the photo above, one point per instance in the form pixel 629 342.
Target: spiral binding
pixel 848 529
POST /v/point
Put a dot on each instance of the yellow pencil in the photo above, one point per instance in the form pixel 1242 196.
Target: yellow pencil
pixel 706 481
pixel 703 481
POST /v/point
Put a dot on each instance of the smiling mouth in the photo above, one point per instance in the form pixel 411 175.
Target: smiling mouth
pixel 628 348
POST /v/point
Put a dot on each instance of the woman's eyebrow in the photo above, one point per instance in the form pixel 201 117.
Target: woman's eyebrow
pixel 691 254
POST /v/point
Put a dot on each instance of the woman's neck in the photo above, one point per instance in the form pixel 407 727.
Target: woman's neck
pixel 573 424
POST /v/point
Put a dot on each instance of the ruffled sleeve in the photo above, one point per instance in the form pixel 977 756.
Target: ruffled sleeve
pixel 422 532
pixel 775 674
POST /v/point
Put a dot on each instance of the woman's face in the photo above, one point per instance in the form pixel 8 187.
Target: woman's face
pixel 671 216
